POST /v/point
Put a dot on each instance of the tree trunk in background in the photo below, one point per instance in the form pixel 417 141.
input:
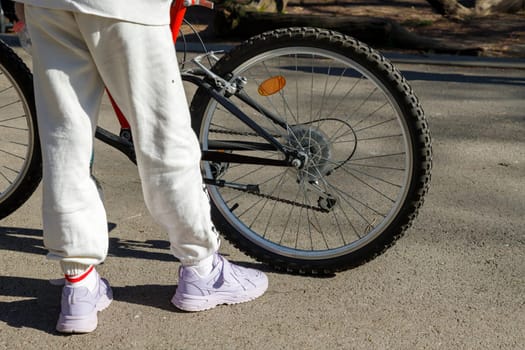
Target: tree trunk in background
pixel 253 5
pixel 230 12
pixel 453 8
pixel 450 8
pixel 487 7
pixel 270 5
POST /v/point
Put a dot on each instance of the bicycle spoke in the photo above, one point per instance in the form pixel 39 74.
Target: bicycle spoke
pixel 9 104
pixel 371 187
pixel 297 193
pixel 261 209
pixel 280 183
pixel 374 125
pixel 13 128
pixel 380 156
pixel 318 228
pixel 376 178
pixel 12 154
pixel 350 197
pixel 376 166
pixel 380 137
pixel 14 118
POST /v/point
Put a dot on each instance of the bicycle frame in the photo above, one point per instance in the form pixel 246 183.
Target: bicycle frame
pixel 219 89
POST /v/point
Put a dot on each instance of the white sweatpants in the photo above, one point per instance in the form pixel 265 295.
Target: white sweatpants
pixel 74 57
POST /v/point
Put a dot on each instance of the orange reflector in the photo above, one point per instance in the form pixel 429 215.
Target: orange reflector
pixel 272 85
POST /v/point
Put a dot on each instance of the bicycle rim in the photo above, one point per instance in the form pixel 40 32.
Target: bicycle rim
pixel 360 155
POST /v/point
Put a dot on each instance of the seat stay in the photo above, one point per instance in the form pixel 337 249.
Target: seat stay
pixel 239 114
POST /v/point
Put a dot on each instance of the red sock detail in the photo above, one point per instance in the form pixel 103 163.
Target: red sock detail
pixel 74 279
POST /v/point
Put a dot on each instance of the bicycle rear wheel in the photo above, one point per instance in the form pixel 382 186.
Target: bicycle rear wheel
pixel 364 134
pixel 20 157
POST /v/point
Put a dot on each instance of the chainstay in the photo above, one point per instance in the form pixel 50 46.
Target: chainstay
pixel 240 133
pixel 262 195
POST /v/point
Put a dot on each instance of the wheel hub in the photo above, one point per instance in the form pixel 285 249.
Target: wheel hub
pixel 314 149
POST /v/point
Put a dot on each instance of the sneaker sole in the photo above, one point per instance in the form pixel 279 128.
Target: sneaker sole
pixel 192 303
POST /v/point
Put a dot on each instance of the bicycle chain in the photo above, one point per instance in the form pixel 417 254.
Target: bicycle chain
pixel 267 196
pixel 282 200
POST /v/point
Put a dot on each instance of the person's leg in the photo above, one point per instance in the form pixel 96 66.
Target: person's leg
pixel 68 92
pixel 139 67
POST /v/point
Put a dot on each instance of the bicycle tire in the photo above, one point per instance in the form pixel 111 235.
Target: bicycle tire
pixel 256 229
pixel 20 155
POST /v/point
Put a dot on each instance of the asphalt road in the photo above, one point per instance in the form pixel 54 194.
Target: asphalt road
pixel 456 280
